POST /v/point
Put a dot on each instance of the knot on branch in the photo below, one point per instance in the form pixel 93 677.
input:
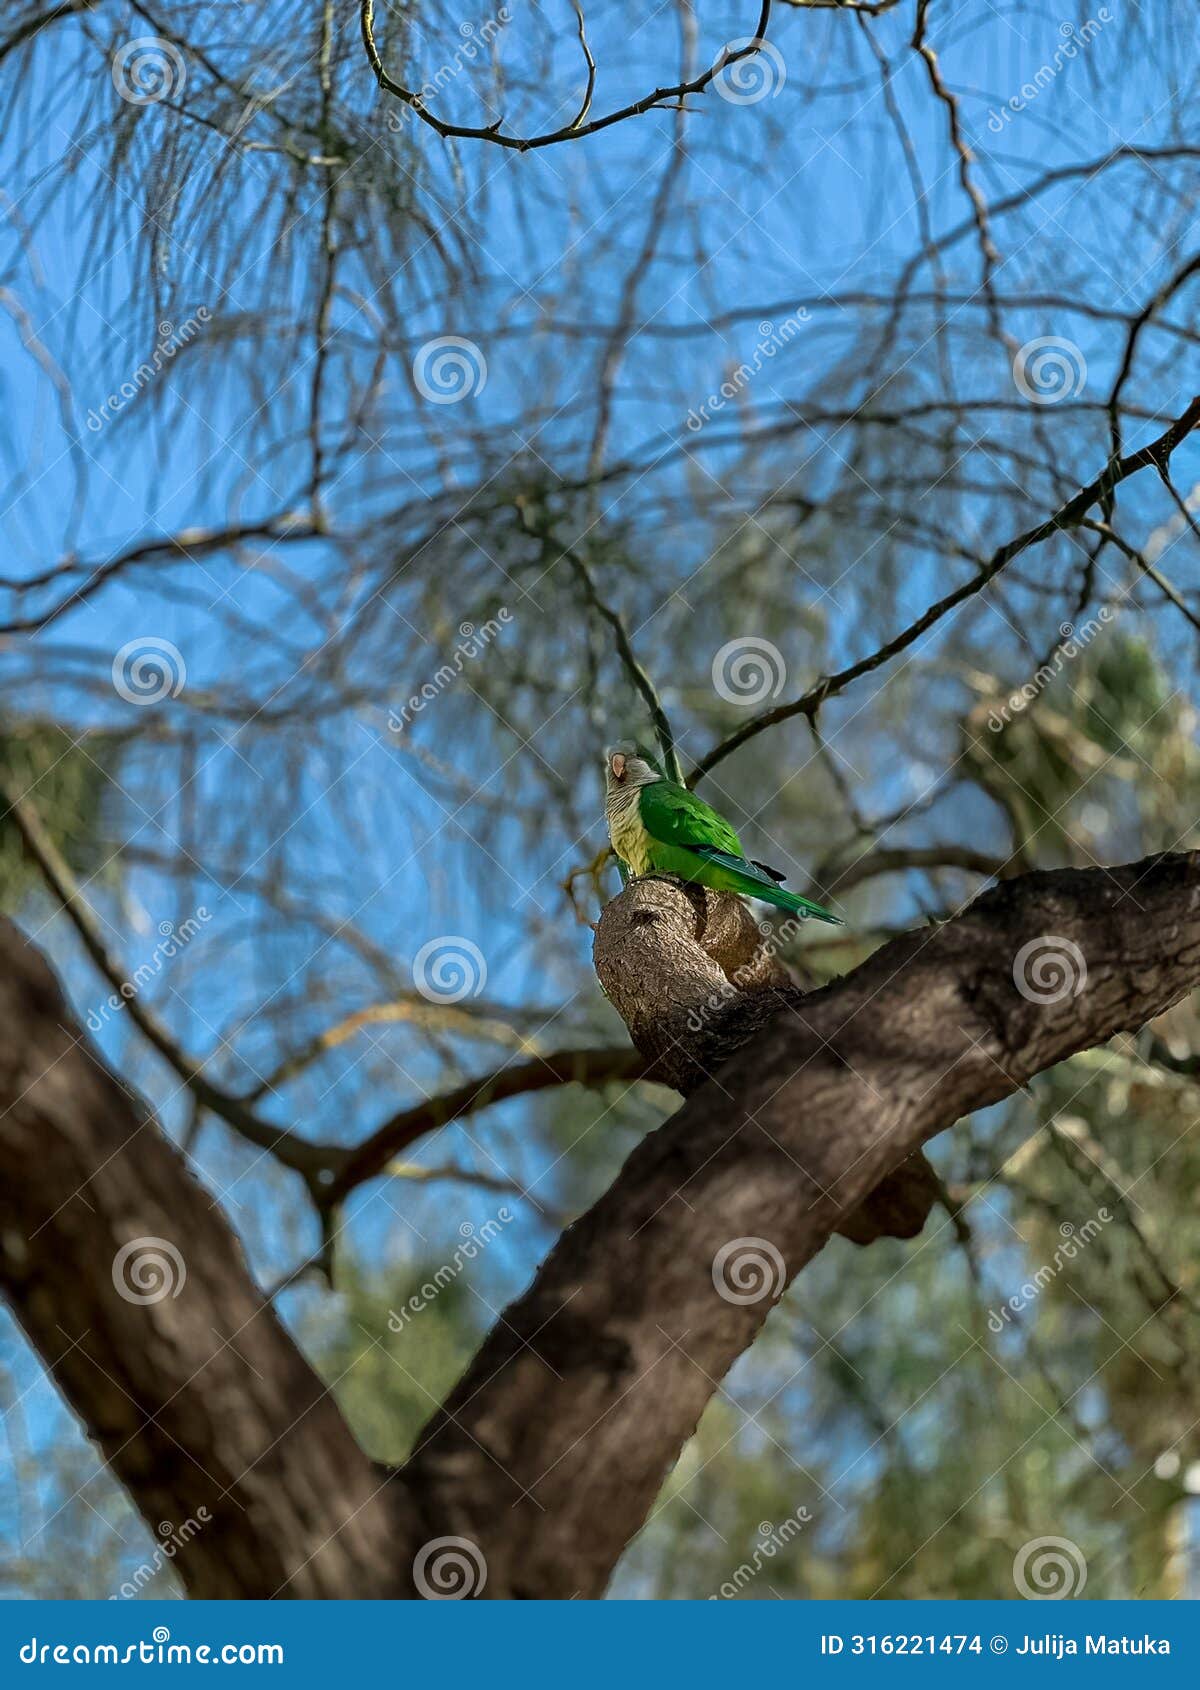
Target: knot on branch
pixel 691 974
pixel 694 978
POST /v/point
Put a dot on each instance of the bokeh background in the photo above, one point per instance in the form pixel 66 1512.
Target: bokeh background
pixel 309 411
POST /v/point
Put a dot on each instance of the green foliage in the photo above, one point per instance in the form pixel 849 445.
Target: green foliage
pixel 1098 747
pixel 391 1364
pixel 69 776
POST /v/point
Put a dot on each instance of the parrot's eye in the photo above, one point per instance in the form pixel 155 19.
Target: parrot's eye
pixel 617 764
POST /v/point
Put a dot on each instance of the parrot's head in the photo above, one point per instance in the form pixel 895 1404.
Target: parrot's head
pixel 628 765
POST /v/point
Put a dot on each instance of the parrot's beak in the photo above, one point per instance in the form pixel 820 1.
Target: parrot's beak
pixel 617 764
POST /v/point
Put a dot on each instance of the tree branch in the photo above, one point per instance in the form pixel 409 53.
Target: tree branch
pixel 1157 453
pixel 630 662
pixel 549 1453
pixel 330 1171
pixel 296 1153
pixel 573 131
pixel 191 544
pixel 551 1450
pixel 34 22
pixel 836 875
pixel 131 1285
pixel 590 1065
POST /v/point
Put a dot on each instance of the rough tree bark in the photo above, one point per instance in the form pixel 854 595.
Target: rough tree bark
pixel 199 1401
pixel 694 977
pixel 549 1453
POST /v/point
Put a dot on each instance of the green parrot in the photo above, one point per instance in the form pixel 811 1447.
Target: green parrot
pixel 658 827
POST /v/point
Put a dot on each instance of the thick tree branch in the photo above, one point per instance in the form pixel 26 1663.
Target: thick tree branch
pixel 131 1285
pixel 551 1450
pixel 549 1453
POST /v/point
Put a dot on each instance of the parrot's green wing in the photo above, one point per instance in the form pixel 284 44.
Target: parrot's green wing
pixel 674 816
pixel 698 844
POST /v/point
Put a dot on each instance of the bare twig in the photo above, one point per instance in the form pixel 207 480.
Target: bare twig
pixel 629 660
pixel 1069 515
pixel 577 127
pixel 588 1066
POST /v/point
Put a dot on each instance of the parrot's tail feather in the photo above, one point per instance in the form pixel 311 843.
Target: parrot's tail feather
pixel 755 880
pixel 794 903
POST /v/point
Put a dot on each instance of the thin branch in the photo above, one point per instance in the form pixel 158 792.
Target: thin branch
pixel 296 1153
pixel 903 859
pixel 191 544
pixel 568 132
pixel 979 210
pixel 1150 570
pixel 1087 170
pixel 586 103
pixel 34 22
pixel 1145 316
pixel 633 668
pixel 868 8
pixel 415 1011
pixel 1070 515
pixel 329 1170
pixel 588 1066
